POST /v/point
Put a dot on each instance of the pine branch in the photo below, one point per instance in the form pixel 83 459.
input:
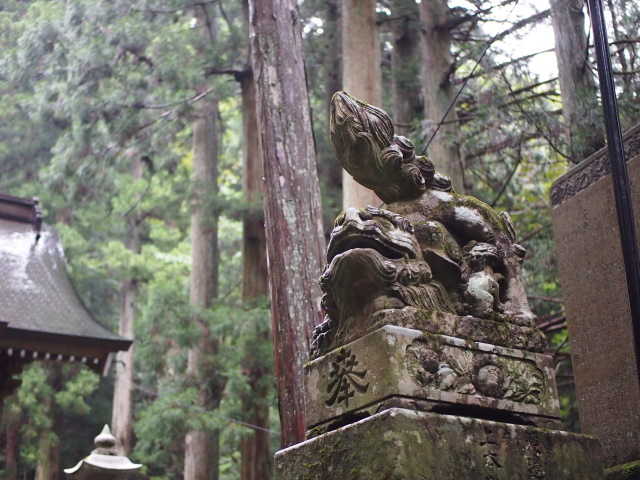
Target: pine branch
pixel 510 62
pixel 412 13
pixel 528 237
pixel 625 41
pixel 498 147
pixel 453 23
pixel 510 177
pixel 535 124
pixel 223 71
pixel 538 17
pixel 176 10
pixel 553 322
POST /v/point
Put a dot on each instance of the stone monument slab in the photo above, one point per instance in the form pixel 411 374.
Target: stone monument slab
pixel 596 302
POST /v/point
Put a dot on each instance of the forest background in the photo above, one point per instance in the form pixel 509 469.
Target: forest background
pixel 134 122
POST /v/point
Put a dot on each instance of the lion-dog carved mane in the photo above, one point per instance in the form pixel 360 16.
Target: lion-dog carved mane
pixel 428 248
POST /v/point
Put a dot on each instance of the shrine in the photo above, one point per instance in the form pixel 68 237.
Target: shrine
pixel 41 315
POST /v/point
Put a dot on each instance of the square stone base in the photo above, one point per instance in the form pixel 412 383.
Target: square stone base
pixel 438 373
pixel 400 444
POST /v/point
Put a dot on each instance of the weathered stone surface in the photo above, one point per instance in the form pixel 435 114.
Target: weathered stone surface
pixel 427 365
pixel 104 463
pixel 400 444
pixel 435 371
pixel 429 248
pixel 627 471
pixel 467 327
pixel 596 304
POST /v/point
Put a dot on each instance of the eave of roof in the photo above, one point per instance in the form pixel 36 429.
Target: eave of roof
pixel 40 311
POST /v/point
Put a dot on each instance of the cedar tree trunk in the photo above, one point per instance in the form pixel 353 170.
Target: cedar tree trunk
pixel 201 447
pixel 254 449
pixel 407 98
pixel 293 215
pixel 122 413
pixel 361 77
pixel 438 91
pixel 577 88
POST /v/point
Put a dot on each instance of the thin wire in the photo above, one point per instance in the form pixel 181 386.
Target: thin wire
pixel 466 80
pixel 201 409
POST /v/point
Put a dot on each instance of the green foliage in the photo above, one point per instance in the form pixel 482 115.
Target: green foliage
pixel 93 93
pixel 47 391
pixel 97 100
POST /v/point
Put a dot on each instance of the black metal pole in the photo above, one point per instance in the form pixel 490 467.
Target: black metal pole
pixel 618 170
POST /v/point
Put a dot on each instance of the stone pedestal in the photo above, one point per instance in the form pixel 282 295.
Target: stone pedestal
pixel 401 403
pixel 596 303
pixel 400 444
pixel 396 366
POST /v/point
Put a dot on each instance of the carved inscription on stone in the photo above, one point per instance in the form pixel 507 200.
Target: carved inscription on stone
pixel 490 447
pixel 345 379
pixel 462 371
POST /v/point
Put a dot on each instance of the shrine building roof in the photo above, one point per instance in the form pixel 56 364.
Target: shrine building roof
pixel 41 315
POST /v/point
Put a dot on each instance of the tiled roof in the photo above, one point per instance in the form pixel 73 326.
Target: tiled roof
pixel 35 290
pixel 43 313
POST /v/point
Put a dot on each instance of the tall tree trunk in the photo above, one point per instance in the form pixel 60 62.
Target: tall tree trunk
pixel 256 457
pixel 254 448
pixel 48 456
pixel 361 77
pixel 330 171
pixel 577 88
pixel 617 35
pixel 407 98
pixel 122 413
pixel 438 90
pixel 201 447
pixel 49 441
pixel 332 59
pixel 293 216
pixel 13 442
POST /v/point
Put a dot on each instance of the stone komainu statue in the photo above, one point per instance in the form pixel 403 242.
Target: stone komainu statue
pixel 428 249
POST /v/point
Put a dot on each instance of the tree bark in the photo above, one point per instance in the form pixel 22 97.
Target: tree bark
pixel 122 413
pixel 48 455
pixel 407 98
pixel 330 171
pixel 438 91
pixel 293 216
pixel 361 77
pixel 11 452
pixel 332 60
pixel 254 449
pixel 49 441
pixel 201 447
pixel 577 88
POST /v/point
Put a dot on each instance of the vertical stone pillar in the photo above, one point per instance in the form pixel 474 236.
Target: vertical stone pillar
pixel 596 302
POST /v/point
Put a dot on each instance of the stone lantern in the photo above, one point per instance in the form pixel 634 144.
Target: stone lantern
pixel 103 463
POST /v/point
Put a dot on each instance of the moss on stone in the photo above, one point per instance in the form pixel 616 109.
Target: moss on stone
pixel 627 471
pixel 316 431
pixel 399 444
